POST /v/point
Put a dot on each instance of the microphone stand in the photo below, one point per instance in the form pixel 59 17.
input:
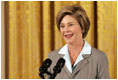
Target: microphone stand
pixel 53 76
pixel 41 74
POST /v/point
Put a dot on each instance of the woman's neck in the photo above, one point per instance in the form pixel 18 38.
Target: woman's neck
pixel 74 50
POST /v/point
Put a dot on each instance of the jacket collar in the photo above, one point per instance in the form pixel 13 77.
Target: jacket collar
pixel 86 49
pixel 81 61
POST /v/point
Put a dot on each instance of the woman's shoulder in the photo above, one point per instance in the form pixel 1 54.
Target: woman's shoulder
pixel 54 51
pixel 98 53
pixel 100 59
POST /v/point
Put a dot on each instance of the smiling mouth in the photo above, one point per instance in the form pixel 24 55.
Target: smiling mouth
pixel 68 36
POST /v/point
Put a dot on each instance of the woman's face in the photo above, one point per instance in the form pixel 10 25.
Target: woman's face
pixel 70 30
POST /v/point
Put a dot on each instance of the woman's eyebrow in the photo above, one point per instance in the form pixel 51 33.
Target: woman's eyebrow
pixel 61 23
pixel 68 22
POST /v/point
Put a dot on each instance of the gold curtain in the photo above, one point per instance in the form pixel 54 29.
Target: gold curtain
pixel 107 33
pixel 32 34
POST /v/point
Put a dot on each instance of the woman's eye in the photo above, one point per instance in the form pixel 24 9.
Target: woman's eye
pixel 61 26
pixel 70 24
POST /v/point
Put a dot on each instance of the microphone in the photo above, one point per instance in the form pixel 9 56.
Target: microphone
pixel 58 67
pixel 43 69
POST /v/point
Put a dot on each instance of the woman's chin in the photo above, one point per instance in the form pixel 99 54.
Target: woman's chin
pixel 69 42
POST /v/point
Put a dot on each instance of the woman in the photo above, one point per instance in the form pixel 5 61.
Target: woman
pixel 81 60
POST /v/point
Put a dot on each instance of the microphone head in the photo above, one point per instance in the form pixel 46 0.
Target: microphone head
pixel 59 66
pixel 46 64
pixel 61 62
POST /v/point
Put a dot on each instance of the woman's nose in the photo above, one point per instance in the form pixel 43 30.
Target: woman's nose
pixel 66 29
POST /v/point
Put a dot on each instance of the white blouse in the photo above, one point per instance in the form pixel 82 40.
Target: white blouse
pixel 64 50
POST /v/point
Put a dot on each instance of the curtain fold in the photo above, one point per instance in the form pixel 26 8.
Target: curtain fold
pixel 46 28
pixel 33 34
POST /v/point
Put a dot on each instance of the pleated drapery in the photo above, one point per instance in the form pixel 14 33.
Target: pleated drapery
pixel 32 33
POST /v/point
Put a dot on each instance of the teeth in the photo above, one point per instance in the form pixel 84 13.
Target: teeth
pixel 68 35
